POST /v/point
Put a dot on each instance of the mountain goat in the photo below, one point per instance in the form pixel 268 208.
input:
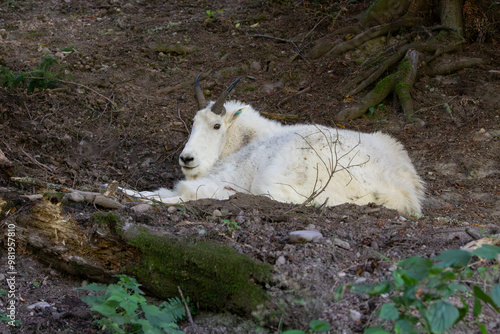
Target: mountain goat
pixel 232 148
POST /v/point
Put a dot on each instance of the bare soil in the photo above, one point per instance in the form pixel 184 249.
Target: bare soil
pixel 144 56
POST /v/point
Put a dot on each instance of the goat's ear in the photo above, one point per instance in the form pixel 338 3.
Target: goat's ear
pixel 231 116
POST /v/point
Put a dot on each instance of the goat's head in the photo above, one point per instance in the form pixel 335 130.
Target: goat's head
pixel 208 135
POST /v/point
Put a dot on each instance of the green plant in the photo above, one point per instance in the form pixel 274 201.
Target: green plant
pixel 48 74
pixel 315 326
pixel 125 310
pixel 372 109
pixel 105 218
pixel 211 15
pixel 421 288
pixel 231 225
pixel 9 321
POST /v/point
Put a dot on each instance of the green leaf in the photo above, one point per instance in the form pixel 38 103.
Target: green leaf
pixel 293 331
pixel 476 310
pixel 93 287
pixel 495 294
pixel 129 306
pixel 157 317
pixel 404 326
pixel 104 309
pixel 372 289
pixel 175 307
pixel 93 300
pixel 482 329
pixel 339 293
pixel 479 293
pixel 120 320
pixel 114 298
pixel 416 267
pixel 462 311
pixel 455 258
pixel 487 252
pixel 389 311
pixel 375 330
pixel 319 326
pixel 442 315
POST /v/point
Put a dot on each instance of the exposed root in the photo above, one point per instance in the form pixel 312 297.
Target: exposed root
pixel 405 83
pixel 367 35
pixel 447 66
pixel 399 82
pixel 426 44
pixel 371 76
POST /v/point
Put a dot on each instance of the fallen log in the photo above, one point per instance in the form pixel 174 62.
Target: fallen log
pixel 75 238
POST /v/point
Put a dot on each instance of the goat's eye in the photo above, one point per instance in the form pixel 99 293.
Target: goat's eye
pixel 217 126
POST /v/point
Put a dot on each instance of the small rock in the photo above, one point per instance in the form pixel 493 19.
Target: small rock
pixel 355 315
pixel 217 213
pixel 280 261
pixel 74 197
pixel 255 66
pixel 141 208
pixel 304 236
pixel 172 209
pixel 341 243
pixel 107 202
pixel 40 305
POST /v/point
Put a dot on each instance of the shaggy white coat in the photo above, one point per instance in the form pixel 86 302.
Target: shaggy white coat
pixel 252 154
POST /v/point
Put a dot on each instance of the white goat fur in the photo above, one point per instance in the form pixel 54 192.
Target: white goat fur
pixel 252 154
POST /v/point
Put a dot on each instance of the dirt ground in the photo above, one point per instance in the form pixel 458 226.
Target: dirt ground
pixel 144 56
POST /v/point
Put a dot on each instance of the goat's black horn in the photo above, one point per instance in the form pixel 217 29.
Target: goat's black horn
pixel 200 98
pixel 218 107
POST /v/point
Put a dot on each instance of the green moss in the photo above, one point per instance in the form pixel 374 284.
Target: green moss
pixel 403 91
pixel 382 85
pixel 105 218
pixel 215 277
pixel 54 197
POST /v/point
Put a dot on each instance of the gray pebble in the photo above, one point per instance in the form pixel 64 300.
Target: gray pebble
pixel 141 208
pixel 280 261
pixel 304 236
pixel 41 305
pixel 341 243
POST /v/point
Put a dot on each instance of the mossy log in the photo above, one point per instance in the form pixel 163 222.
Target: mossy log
pixel 97 245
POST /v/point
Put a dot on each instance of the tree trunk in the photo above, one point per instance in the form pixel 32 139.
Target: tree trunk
pixel 450 12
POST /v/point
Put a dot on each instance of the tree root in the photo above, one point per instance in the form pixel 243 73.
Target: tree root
pixel 446 66
pixel 370 34
pixel 371 76
pixel 399 82
pixel 376 22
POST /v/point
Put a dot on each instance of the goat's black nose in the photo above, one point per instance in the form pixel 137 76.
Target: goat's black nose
pixel 186 159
